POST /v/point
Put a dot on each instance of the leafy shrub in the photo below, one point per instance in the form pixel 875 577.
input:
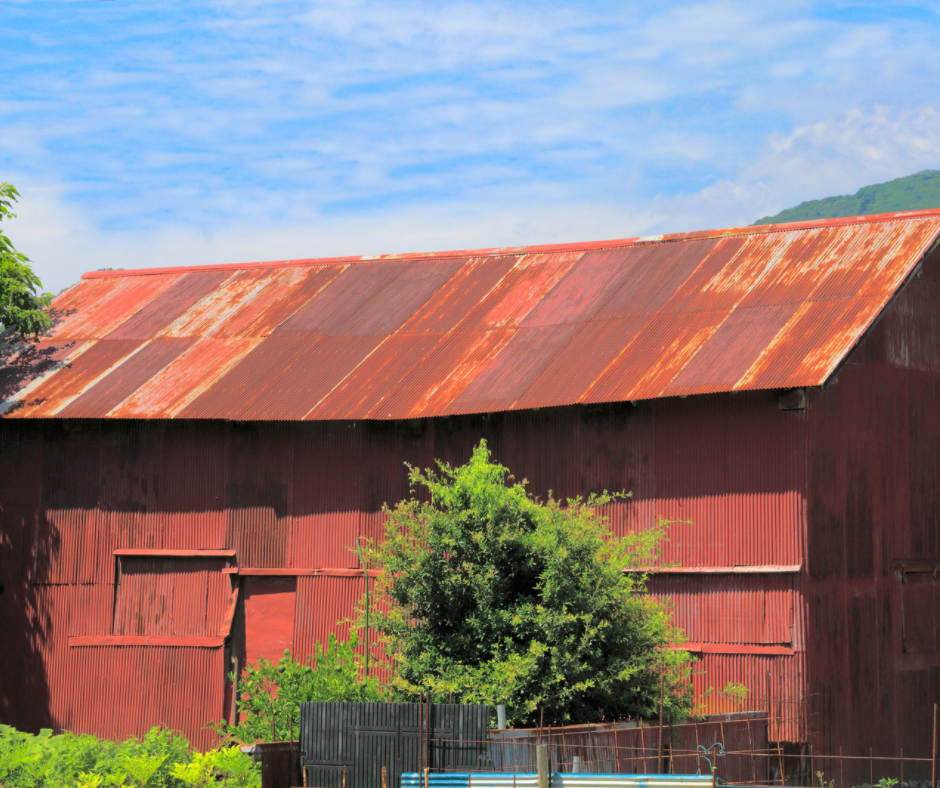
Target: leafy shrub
pixel 159 760
pixel 270 693
pixel 491 596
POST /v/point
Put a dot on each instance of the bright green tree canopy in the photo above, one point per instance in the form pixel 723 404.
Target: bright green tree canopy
pixel 494 597
pixel 22 302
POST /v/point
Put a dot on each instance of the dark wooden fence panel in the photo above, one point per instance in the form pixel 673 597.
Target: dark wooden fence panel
pixel 358 739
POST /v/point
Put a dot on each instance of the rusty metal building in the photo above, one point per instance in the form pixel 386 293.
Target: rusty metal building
pixel 190 456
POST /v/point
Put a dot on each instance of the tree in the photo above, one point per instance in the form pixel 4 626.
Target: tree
pixel 22 304
pixel 491 596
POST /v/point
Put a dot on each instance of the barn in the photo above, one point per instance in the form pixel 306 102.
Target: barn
pixel 191 455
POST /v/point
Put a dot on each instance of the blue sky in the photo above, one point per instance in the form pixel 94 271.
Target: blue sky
pixel 175 133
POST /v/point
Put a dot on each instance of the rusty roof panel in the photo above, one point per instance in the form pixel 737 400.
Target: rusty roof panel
pixel 389 306
pixel 588 354
pixel 732 349
pixel 23 364
pixel 662 348
pixel 60 388
pixel 657 276
pixel 341 299
pixel 465 332
pixel 512 371
pixel 183 379
pixel 448 308
pixel 529 280
pixel 107 309
pixel 367 386
pixel 289 299
pixel 180 294
pixel 586 286
pixel 113 389
pixel 448 370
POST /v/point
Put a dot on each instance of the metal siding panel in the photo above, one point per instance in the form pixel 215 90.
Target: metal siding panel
pixel 124 691
pixel 65 546
pixel 171 597
pixel 787 703
pixel 189 512
pixel 747 609
pixel 270 608
pixel 730 501
pixel 327 495
pixel 258 493
pixel 325 605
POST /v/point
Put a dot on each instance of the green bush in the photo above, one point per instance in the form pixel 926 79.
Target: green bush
pixel 162 759
pixel 270 693
pixel 488 595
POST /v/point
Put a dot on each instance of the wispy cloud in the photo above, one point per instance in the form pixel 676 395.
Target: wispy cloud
pixel 233 130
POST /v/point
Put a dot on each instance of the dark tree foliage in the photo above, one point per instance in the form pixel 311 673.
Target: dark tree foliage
pixel 490 596
pixel 22 302
pixel 911 193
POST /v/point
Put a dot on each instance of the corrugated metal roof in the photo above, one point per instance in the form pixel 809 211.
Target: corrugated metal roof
pixel 409 336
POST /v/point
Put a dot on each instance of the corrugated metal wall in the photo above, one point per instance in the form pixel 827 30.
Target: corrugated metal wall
pixel 873 501
pixel 297 497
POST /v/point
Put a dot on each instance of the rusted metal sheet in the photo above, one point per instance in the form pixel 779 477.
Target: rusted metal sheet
pixel 772 683
pixel 730 608
pixel 426 335
pixel 171 597
pixel 269 611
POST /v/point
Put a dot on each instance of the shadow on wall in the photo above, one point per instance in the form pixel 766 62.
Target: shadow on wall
pixel 27 542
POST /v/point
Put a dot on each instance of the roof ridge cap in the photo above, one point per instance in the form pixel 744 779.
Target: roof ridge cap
pixel 503 251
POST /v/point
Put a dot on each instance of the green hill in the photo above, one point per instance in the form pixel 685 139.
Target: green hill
pixel 913 193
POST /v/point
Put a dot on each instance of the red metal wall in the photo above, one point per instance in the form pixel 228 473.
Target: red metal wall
pixel 296 497
pixel 873 500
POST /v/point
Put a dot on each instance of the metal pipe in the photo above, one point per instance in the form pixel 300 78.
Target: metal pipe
pixel 365 575
pixel 662 693
pixel 501 716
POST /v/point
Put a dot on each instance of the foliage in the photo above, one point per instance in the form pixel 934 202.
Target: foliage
pixel 270 694
pixel 22 303
pixel 490 596
pixel 160 760
pixel 914 192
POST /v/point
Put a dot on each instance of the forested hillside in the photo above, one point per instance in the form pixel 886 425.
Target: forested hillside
pixel 911 193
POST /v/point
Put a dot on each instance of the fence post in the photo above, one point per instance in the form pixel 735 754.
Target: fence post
pixel 541 760
pixel 933 760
